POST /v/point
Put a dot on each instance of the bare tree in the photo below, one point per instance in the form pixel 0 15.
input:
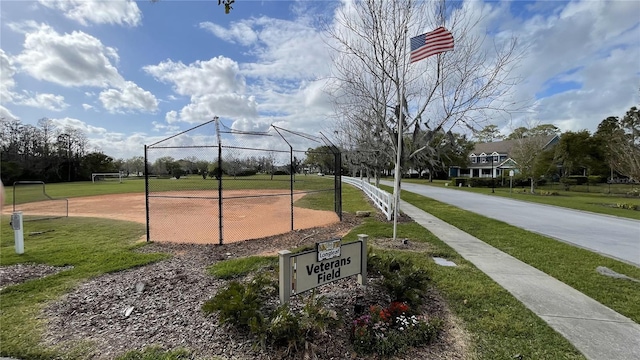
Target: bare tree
pixel 375 88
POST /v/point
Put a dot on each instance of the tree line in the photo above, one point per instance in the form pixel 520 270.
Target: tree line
pixel 611 153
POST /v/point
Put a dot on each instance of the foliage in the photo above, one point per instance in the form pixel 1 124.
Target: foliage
pixel 156 353
pixel 620 138
pixel 295 329
pixel 403 280
pixel 488 134
pixel 628 206
pixel 245 305
pixel 390 331
pixel 234 268
pixel 242 304
pixel 321 158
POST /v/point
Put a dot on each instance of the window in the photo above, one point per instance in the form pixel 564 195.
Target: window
pixel 473 158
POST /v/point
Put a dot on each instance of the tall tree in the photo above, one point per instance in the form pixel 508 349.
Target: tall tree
pixel 376 88
pixel 622 139
pixel 489 133
pixel 530 152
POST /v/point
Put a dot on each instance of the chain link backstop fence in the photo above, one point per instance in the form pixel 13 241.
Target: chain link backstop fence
pixel 214 184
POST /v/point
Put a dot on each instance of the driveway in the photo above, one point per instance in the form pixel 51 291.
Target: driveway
pixel 611 236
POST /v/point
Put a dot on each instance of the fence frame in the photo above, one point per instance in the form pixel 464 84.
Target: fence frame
pixel 220 145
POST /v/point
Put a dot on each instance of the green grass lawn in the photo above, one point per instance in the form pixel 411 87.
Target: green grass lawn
pixel 596 202
pixel 572 265
pixel 29 193
pixel 92 246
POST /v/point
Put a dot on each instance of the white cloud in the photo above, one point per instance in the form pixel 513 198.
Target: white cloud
pixel 214 76
pixel 288 50
pixel 75 59
pixel 239 32
pixel 6 114
pixel 131 97
pixel 171 116
pixel 46 101
pixel 165 128
pixel 87 106
pixel 203 108
pixel 7 70
pixel 75 124
pixel 117 12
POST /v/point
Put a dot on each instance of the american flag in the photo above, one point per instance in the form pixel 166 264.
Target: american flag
pixel 431 43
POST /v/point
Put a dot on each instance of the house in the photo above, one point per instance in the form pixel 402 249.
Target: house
pixel 492 159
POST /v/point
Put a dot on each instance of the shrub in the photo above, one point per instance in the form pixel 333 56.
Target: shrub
pixel 390 331
pixel 627 206
pixel 295 329
pixel 242 304
pixel 403 281
pixel 462 181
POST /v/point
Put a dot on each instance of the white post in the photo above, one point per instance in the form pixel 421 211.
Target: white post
pixel 16 224
pixel 285 277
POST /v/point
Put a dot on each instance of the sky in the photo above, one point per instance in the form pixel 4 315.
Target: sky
pixel 132 73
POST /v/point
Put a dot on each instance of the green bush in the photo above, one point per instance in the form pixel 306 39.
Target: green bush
pixel 484 182
pixel 403 281
pixel 243 304
pixel 391 331
pixel 627 206
pixel 460 180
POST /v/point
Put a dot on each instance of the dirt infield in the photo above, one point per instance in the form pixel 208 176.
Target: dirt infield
pixel 192 217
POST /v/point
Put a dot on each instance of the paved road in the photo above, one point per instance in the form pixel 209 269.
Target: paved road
pixel 608 235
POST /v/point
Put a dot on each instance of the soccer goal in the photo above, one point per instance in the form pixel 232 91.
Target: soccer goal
pixel 107 177
pixel 32 199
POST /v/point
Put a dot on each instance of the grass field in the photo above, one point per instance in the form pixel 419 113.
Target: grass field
pixel 136 185
pixel 596 202
pixel 501 327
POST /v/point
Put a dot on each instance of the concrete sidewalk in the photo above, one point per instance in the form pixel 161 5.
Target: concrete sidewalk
pixel 598 332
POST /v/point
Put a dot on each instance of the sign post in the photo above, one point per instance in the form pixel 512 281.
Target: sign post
pixel 510 181
pixel 330 261
pixel 18 232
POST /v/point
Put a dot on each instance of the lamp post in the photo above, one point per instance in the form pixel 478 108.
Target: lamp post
pixel 493 177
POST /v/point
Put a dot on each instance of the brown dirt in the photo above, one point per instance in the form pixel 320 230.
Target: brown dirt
pixel 192 216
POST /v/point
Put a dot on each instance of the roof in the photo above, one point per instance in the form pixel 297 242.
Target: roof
pixel 503 147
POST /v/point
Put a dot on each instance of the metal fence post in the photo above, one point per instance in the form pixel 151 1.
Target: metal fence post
pixel 146 190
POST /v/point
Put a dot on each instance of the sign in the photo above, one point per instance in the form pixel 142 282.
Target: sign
pixel 328 249
pixel 511 173
pixel 330 261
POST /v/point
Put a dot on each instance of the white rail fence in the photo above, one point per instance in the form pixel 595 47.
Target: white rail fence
pixel 382 199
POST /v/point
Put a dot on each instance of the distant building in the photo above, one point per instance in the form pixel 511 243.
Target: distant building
pixel 493 159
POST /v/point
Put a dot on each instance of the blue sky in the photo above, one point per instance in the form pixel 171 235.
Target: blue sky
pixel 131 73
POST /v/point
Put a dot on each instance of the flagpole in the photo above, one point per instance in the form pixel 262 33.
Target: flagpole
pixel 397 175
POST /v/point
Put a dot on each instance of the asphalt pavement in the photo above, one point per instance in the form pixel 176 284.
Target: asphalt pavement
pixel 608 235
